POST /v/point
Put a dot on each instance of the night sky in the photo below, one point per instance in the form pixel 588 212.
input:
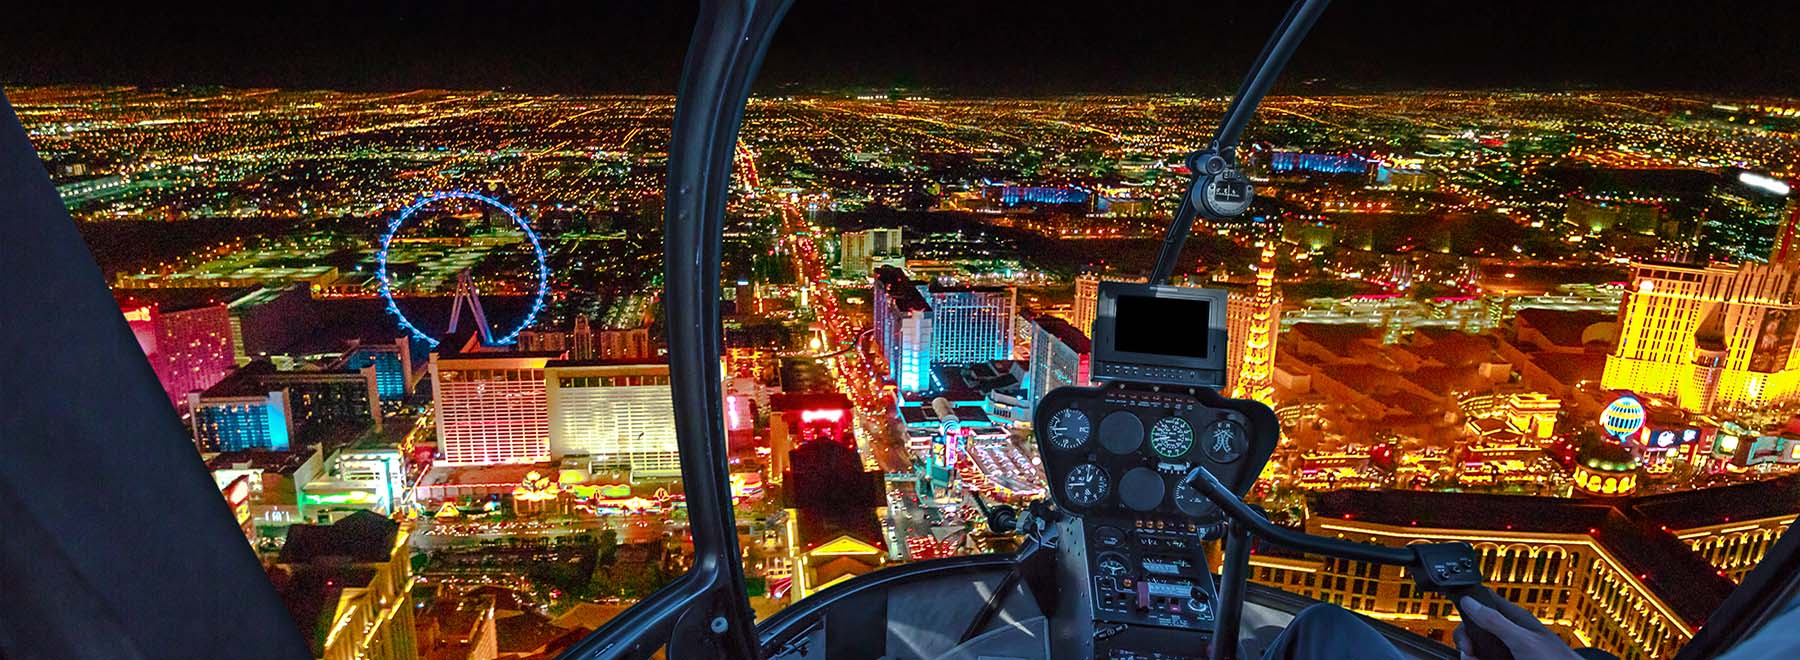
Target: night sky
pixel 971 47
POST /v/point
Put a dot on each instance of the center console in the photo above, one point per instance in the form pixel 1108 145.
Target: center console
pixel 1132 542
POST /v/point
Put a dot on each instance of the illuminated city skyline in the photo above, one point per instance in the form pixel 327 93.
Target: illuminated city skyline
pixel 1435 293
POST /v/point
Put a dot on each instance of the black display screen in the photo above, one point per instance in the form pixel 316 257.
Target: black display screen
pixel 1162 326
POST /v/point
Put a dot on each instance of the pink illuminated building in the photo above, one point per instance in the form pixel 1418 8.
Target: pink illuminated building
pixel 189 347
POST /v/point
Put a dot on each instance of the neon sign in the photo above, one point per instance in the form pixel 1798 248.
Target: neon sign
pixel 827 415
pixel 1623 417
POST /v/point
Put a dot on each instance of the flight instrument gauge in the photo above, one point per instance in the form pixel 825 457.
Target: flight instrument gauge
pixel 1195 505
pixel 1086 484
pixel 1121 432
pixel 1225 441
pixel 1226 194
pixel 1172 437
pixel 1141 489
pixel 1113 564
pixel 1069 429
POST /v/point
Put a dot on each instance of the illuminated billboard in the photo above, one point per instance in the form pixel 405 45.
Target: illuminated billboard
pixel 1623 417
pixel 1747 451
pixel 237 495
pixel 1668 438
pixel 1774 341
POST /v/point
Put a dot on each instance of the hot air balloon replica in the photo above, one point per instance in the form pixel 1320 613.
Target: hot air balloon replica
pixel 1623 418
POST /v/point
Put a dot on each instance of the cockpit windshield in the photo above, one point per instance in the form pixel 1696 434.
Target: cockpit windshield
pixel 404 283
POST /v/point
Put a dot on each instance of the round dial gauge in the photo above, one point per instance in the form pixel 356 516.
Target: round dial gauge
pixel 1172 437
pixel 1141 489
pixel 1121 432
pixel 1069 428
pixel 1196 506
pixel 1225 441
pixel 1224 195
pixel 1109 537
pixel 1086 484
pixel 1112 563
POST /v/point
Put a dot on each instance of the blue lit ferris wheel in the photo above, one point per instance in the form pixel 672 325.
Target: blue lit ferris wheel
pixel 537 300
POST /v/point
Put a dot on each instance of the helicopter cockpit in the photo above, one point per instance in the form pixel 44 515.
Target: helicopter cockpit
pixel 1147 471
pixel 1140 548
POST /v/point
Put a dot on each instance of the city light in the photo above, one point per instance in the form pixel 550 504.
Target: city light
pixel 1761 182
pixel 811 416
pixel 1443 297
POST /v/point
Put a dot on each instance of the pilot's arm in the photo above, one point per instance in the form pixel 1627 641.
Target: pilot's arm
pixel 1529 639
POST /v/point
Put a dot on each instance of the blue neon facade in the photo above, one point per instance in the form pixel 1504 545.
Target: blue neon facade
pixel 903 328
pixel 1294 161
pixel 920 326
pixel 390 373
pixel 238 425
pixel 1016 195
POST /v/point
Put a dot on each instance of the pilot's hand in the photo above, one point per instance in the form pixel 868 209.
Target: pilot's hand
pixel 1521 632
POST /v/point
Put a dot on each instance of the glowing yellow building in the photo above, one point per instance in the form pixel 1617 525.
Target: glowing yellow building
pixel 821 565
pixel 1709 337
pixel 349 587
pixel 1635 577
pixel 1087 299
pixel 1253 319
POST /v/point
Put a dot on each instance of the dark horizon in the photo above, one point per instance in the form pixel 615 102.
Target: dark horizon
pixel 1025 50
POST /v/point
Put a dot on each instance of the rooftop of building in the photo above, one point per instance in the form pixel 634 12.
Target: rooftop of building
pixel 654 361
pixel 901 290
pixel 179 299
pixel 311 594
pixel 259 377
pixel 318 562
pixel 820 526
pixel 457 615
pixel 280 462
pixel 968 414
pixel 1452 347
pixel 361 537
pixel 974 381
pixel 833 495
pixel 1572 368
pixel 531 633
pixel 482 475
pixel 1066 333
pixel 1337 341
pixel 1562 328
pixel 801 375
pixel 466 344
pixel 1715 506
pixel 241 382
pixel 1639 532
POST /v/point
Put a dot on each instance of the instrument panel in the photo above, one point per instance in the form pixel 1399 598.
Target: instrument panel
pixel 1116 456
pixel 1121 449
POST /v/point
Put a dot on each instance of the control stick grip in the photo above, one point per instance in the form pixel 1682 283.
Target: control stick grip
pixel 1487 645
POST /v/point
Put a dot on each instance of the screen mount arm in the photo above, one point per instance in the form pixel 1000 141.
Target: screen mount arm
pixel 1217 189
